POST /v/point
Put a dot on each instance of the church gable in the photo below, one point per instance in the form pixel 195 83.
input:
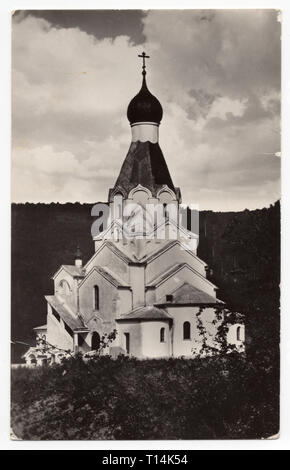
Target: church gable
pixel 103 295
pixel 174 277
pixel 113 258
pixel 169 255
pixel 65 285
pixel 71 269
pixel 188 294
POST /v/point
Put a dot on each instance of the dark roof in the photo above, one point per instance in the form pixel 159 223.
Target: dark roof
pixel 144 165
pixel 188 294
pixel 149 312
pixel 144 107
pixel 69 318
pixel 75 271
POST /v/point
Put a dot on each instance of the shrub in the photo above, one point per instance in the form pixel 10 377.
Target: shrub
pixel 230 397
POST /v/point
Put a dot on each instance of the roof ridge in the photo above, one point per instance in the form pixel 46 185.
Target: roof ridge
pixel 146 312
pixel 113 274
pixel 71 319
pixel 66 267
pixel 108 274
pixel 192 295
pixel 179 266
pixel 171 243
pixel 114 248
pixel 165 273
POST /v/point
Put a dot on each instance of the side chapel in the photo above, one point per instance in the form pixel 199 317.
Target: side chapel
pixel 153 290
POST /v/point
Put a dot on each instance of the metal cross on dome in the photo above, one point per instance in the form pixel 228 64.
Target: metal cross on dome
pixel 144 56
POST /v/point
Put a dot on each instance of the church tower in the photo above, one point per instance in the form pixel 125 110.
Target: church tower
pixel 145 181
pixel 144 164
pixel 144 280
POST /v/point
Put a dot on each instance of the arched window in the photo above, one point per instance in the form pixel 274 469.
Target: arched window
pixel 239 331
pixel 64 287
pixel 32 359
pixel 186 330
pixel 127 342
pixel 162 335
pixel 95 341
pixel 165 211
pixel 96 298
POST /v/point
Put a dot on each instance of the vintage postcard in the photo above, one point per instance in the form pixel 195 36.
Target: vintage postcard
pixel 145 224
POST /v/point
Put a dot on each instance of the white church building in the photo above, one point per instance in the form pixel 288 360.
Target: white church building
pixel 144 279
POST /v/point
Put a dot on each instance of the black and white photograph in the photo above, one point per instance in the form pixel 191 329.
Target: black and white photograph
pixel 145 224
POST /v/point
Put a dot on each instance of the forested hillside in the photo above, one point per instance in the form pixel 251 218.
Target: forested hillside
pixel 241 248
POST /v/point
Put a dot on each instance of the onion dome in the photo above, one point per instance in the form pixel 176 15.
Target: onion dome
pixel 144 107
pixel 144 164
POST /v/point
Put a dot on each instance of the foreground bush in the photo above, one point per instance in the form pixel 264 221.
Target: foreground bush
pixel 230 397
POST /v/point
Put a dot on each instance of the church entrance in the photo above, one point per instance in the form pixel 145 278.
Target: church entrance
pixel 95 341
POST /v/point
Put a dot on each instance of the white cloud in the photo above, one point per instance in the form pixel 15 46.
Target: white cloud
pixel 216 74
pixel 224 105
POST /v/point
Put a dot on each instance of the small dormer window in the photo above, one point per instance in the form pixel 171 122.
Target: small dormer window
pixel 169 298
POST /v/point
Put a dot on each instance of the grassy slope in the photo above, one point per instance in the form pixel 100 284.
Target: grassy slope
pixel 157 399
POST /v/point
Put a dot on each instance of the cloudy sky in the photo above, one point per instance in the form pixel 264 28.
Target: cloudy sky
pixel 215 72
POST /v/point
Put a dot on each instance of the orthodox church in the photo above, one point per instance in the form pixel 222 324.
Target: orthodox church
pixel 148 286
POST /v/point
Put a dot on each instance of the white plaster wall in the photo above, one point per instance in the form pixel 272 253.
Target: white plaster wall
pixel 145 131
pixel 112 301
pixel 137 282
pixel 134 329
pixel 151 345
pixel 71 298
pixel 182 314
pixel 150 296
pixel 184 275
pixel 125 301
